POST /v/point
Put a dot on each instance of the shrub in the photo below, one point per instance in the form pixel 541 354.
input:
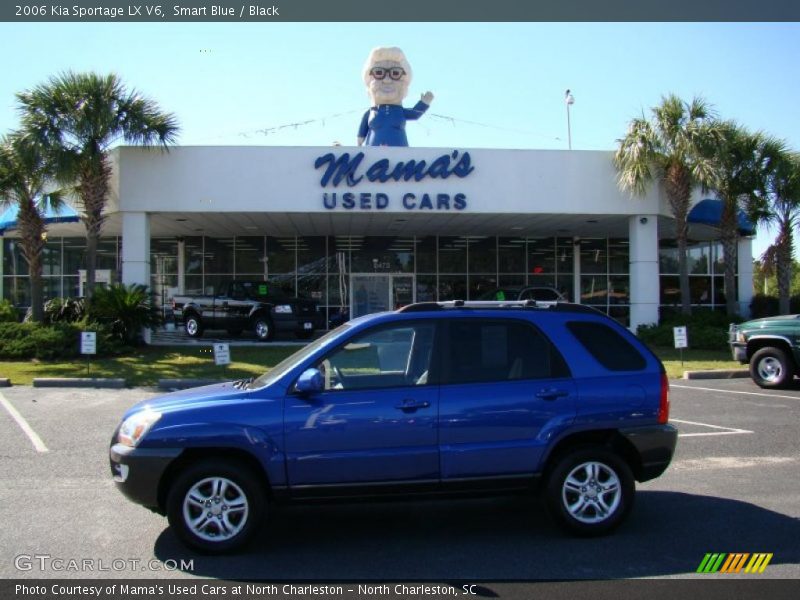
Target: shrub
pixel 706 330
pixel 767 306
pixel 64 310
pixel 8 314
pixel 20 341
pixel 125 310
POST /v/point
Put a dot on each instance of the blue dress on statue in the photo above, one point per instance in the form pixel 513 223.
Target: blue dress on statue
pixel 385 124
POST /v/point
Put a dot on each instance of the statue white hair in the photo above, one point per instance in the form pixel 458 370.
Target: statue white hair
pixel 383 54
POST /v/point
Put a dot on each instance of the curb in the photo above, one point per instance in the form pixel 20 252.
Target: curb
pixel 79 382
pixel 5 382
pixel 182 384
pixel 717 374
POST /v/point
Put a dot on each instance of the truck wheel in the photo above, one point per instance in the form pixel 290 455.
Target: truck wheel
pixel 215 506
pixel 193 326
pixel 771 368
pixel 263 329
pixel 590 491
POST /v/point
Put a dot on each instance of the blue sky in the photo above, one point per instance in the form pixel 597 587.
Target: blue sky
pixel 225 82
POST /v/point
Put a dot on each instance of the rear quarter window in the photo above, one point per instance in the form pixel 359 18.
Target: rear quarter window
pixel 607 346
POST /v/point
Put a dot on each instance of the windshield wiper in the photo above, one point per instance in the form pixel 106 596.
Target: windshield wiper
pixel 242 384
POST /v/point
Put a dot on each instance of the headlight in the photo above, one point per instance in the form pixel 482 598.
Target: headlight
pixel 740 337
pixel 134 428
pixel 284 309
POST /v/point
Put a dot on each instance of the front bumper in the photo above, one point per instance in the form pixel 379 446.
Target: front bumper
pixel 137 472
pixel 295 323
pixel 655 445
pixel 739 352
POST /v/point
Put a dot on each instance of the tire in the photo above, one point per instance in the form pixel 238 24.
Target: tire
pixel 580 508
pixel 771 368
pixel 304 335
pixel 227 497
pixel 193 326
pixel 263 328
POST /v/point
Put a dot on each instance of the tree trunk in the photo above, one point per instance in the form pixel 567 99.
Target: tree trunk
pixel 784 268
pixel 678 188
pixel 31 231
pixel 93 190
pixel 730 238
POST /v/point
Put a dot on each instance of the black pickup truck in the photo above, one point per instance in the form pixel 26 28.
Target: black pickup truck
pixel 256 305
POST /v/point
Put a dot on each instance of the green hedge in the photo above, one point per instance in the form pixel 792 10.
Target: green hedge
pixel 8 313
pixel 706 330
pixel 57 341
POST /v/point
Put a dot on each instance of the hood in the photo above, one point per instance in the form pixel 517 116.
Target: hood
pixel 191 398
pixel 765 321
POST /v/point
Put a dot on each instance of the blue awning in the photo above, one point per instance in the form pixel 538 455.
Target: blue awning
pixel 709 212
pixel 66 214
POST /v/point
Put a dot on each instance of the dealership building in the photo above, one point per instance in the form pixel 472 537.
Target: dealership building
pixel 371 228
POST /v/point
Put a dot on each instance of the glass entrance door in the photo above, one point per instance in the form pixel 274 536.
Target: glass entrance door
pixel 378 292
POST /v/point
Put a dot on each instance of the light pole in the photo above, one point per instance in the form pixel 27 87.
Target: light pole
pixel 569 100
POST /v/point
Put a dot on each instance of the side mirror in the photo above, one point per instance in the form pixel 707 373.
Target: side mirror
pixel 310 382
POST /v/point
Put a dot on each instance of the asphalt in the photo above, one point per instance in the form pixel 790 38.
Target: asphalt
pixel 733 487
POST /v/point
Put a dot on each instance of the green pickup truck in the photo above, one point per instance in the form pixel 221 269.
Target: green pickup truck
pixel 771 346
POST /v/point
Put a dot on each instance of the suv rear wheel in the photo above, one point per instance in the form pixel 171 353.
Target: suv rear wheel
pixel 215 506
pixel 771 368
pixel 590 490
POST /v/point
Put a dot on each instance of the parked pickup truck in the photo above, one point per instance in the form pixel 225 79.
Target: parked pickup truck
pixel 771 346
pixel 256 305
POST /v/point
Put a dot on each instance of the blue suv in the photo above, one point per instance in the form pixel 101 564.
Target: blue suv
pixel 435 398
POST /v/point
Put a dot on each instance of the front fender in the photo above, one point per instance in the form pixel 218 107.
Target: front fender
pixel 253 440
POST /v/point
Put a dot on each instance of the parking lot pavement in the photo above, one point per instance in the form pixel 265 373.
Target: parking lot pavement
pixel 733 487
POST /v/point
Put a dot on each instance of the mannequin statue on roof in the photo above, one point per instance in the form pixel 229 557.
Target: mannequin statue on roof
pixel 387 76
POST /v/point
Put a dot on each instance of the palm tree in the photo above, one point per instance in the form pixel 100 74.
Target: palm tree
pixel 784 198
pixel 670 149
pixel 742 165
pixel 78 117
pixel 25 174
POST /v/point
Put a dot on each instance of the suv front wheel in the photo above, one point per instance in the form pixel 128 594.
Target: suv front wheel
pixel 771 368
pixel 215 506
pixel 590 491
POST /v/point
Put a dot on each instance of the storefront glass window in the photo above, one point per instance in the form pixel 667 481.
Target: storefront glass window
pixel 218 256
pixel 511 255
pixel 542 257
pixel 250 255
pixel 452 255
pixel 384 254
pixel 482 255
pixel 426 254
pixel 594 256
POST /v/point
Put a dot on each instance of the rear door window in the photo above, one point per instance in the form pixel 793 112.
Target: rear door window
pixel 479 350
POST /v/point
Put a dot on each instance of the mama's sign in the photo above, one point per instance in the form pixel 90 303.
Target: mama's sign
pixel 351 171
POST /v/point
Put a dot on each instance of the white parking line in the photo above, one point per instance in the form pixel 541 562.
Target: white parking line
pixel 726 430
pixel 23 424
pixel 705 389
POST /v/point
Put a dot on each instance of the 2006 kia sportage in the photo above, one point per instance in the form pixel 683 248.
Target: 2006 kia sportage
pixel 434 398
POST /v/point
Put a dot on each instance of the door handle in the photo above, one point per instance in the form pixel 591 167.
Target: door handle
pixel 551 394
pixel 409 405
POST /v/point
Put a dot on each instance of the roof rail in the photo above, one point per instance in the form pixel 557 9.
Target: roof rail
pixel 497 304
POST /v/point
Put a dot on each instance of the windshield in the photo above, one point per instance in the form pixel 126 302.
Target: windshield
pixel 290 361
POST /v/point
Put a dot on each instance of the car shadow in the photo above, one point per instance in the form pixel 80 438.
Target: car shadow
pixel 668 533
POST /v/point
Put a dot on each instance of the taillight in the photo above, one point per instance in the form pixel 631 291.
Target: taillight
pixel 663 405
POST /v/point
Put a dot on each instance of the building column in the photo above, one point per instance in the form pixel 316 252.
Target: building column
pixel 136 252
pixel 576 268
pixel 744 257
pixel 644 280
pixel 2 279
pixel 181 266
pixel 136 248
